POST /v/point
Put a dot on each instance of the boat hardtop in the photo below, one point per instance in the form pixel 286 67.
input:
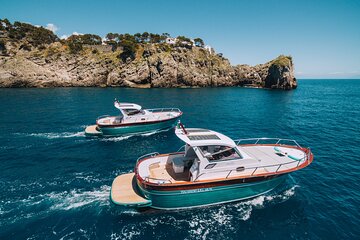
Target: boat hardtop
pixel 132 113
pixel 203 137
pixel 209 156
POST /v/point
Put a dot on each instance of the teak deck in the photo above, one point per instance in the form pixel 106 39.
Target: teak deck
pixel 123 191
pixel 91 130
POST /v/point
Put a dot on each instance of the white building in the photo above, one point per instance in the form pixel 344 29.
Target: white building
pixel 170 40
pixel 209 49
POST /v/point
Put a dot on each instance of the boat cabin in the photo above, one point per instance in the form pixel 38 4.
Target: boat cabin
pixel 132 113
pixel 128 109
pixel 210 155
pixel 207 155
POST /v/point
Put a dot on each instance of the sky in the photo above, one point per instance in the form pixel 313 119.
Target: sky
pixel 323 37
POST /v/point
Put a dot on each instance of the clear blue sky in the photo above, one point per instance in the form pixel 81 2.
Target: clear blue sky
pixel 322 36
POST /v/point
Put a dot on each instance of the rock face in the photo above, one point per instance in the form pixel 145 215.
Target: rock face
pixel 155 65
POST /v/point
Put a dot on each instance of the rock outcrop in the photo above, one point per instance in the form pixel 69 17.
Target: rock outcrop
pixel 154 65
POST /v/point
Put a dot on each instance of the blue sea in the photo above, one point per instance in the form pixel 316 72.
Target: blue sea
pixel 55 183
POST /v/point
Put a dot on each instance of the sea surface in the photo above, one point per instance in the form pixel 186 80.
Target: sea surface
pixel 55 183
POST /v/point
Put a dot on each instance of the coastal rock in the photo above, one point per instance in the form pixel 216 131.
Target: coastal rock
pixel 281 76
pixel 154 65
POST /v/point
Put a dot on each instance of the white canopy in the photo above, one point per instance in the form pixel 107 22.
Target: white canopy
pixel 125 106
pixel 196 137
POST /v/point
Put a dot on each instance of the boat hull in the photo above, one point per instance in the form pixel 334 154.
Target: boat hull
pixel 209 196
pixel 138 128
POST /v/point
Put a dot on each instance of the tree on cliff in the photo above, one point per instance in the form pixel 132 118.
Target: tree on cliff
pixel 199 42
pixel 36 36
pixel 155 38
pixel 138 37
pixel 145 37
pixel 91 39
pixel 182 41
pixel 74 43
pixel 112 40
pixel 4 24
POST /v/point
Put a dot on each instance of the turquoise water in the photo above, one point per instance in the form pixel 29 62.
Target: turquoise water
pixel 55 183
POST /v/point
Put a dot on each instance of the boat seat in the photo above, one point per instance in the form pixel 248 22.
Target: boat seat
pixel 179 163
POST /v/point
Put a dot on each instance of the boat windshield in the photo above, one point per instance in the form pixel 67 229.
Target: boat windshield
pixel 219 153
pixel 133 111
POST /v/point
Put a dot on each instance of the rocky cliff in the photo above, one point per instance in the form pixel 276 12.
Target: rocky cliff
pixel 153 65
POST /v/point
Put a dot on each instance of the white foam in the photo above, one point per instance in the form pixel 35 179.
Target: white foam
pixel 121 138
pixel 116 139
pixel 54 135
pixel 56 201
pixel 75 198
pixel 127 232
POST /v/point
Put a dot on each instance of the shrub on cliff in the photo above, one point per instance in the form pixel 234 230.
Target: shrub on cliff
pixel 282 61
pixel 129 50
pixel 75 47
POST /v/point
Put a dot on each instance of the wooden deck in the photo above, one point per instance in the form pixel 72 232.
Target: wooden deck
pixel 123 191
pixel 92 131
pixel 165 171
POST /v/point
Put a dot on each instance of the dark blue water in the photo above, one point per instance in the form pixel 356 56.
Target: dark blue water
pixel 55 183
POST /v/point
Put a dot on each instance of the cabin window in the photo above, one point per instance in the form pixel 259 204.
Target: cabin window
pixel 210 166
pixel 219 153
pixel 132 111
pixel 240 169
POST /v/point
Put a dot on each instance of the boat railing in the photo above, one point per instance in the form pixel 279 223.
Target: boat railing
pixel 157 180
pixel 164 110
pixel 153 154
pixel 181 149
pixel 306 158
pixel 255 141
pixel 103 116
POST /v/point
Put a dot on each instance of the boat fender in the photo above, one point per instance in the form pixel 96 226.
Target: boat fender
pixel 289 156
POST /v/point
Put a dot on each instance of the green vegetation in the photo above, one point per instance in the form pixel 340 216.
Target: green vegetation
pixel 129 50
pixel 35 36
pixel 182 41
pixel 76 42
pixel 282 61
pixel 30 36
pixel 199 42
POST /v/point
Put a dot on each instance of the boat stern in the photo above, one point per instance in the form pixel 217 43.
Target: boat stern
pixel 92 131
pixel 124 191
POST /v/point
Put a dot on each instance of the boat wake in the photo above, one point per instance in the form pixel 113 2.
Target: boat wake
pixel 75 198
pixel 54 135
pixel 245 208
pixel 42 204
pixel 208 222
pixel 121 138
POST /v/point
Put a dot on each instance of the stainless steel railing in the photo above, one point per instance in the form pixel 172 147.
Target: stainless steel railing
pixel 157 180
pixel 164 110
pixel 266 141
pixel 153 154
pixel 181 149
pixel 306 158
pixel 103 116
